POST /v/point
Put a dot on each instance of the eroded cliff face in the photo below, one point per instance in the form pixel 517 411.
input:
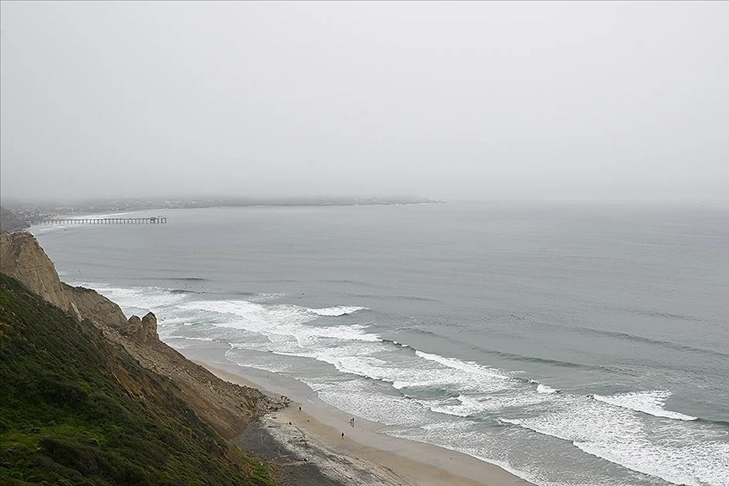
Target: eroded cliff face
pixel 22 258
pixel 225 406
pixel 95 307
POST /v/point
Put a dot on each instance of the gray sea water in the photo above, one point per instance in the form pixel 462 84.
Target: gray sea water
pixel 572 344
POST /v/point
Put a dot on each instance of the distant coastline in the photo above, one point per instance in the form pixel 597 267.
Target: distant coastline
pixel 38 210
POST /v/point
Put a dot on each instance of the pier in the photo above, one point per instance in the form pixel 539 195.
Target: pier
pixel 152 220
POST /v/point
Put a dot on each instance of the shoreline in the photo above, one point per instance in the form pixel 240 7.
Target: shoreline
pixel 312 436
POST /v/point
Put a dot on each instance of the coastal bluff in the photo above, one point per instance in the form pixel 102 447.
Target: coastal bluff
pixel 228 408
pixel 10 222
pixel 93 397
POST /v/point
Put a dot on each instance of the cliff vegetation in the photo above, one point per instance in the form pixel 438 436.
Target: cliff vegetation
pixel 76 408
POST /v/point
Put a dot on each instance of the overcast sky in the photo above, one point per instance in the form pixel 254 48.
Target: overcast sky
pixel 445 100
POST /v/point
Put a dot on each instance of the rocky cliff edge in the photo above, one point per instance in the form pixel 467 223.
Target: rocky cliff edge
pixel 225 406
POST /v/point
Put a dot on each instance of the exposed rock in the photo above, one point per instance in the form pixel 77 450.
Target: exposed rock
pixel 225 406
pixel 95 307
pixel 149 327
pixel 76 408
pixel 133 328
pixel 73 310
pixel 141 331
pixel 22 258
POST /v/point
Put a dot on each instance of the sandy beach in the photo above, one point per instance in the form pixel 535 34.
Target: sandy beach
pixel 305 440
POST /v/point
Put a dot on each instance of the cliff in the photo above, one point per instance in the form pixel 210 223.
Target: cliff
pixel 76 408
pixel 226 407
pixel 22 258
pixel 9 222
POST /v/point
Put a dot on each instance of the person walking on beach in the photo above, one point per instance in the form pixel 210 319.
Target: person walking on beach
pixel 342 435
pixel 351 422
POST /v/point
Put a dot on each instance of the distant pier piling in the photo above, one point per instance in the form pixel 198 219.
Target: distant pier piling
pixel 152 220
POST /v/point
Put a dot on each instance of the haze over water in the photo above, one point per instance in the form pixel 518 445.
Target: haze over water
pixel 443 100
pixel 573 344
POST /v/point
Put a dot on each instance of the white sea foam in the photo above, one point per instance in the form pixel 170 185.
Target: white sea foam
pixel 353 350
pixel 190 338
pixel 281 320
pixel 650 402
pixel 668 450
pixel 465 366
pixel 696 464
pixel 367 401
pixel 463 407
pixel 603 427
pixel 462 437
pixel 349 349
pixel 610 429
pixel 182 342
pixel 136 300
pixel 547 390
pixel 336 311
pixel 267 361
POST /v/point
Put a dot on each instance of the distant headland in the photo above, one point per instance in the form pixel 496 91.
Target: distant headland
pixel 41 210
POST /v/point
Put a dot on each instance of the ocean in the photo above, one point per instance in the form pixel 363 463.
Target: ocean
pixel 571 344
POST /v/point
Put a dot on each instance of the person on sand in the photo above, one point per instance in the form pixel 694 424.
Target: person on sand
pixel 342 435
pixel 351 422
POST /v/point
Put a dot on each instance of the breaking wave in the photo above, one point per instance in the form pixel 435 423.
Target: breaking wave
pixel 397 384
pixel 336 311
pixel 650 402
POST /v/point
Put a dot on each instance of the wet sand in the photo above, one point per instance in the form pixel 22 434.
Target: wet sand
pixel 308 448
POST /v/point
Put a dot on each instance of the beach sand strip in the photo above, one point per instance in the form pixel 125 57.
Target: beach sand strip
pixel 308 448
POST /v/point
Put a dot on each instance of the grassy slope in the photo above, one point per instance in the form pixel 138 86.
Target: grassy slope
pixel 76 409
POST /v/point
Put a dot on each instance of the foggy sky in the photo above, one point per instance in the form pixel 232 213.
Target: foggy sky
pixel 443 100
